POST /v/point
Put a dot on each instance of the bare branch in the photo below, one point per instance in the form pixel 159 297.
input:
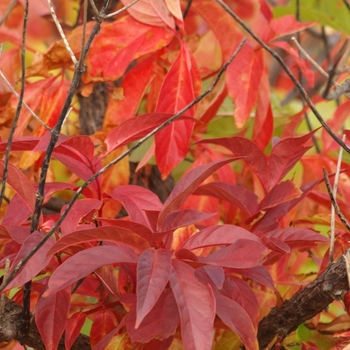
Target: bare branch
pixel 122 9
pixel 94 8
pixel 60 30
pixel 334 202
pixel 19 105
pixel 310 301
pixel 8 11
pixel 22 263
pixel 24 104
pixel 335 187
pixel 289 73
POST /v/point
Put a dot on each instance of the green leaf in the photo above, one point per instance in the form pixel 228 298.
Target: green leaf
pixel 327 12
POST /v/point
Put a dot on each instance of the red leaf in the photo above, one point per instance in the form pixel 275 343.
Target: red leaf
pixel 263 122
pixel 136 200
pixel 219 235
pixel 108 276
pixel 20 184
pixel 25 143
pixel 141 230
pixel 237 195
pixel 283 192
pixel 285 25
pixel 285 155
pixel 37 263
pixel 240 291
pixel 228 309
pixel 161 322
pixel 74 325
pixel 132 89
pixel 17 212
pixel 216 274
pixel 250 153
pixel 102 344
pixel 153 272
pixel 180 87
pixel 111 234
pixel 243 78
pixel 105 321
pixel 182 218
pixel 245 327
pixel 224 29
pixel 51 315
pixel 297 237
pixel 196 306
pixel 259 274
pixel 88 260
pixel 77 212
pixel 243 254
pixel 17 233
pixel 108 61
pixel 135 128
pixel 187 184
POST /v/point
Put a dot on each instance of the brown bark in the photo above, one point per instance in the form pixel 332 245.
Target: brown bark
pixel 10 325
pixel 310 301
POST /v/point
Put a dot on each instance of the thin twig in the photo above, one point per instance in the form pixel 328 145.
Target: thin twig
pixel 19 105
pixel 24 104
pixel 81 62
pixel 187 8
pixel 8 11
pixel 94 8
pixel 301 80
pixel 310 59
pixel 334 202
pixel 289 73
pixel 60 30
pixel 22 263
pixel 3 296
pixel 335 188
pixel 122 9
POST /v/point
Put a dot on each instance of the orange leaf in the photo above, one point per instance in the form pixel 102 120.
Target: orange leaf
pixel 243 78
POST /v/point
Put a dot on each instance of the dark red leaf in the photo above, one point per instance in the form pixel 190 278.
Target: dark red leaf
pixel 187 184
pixel 228 309
pixel 37 263
pixel 285 155
pixel 88 260
pixel 242 254
pixel 219 235
pixel 153 273
pixel 182 218
pixel 51 315
pixel 136 200
pixel 104 322
pixel 111 234
pixel 79 209
pixel 250 153
pixel 162 321
pixel 73 328
pixel 237 195
pixel 20 184
pixel 196 305
pixel 297 237
pixel 282 192
pixel 135 128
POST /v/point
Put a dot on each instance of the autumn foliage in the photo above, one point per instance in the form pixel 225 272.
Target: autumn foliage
pixel 245 223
